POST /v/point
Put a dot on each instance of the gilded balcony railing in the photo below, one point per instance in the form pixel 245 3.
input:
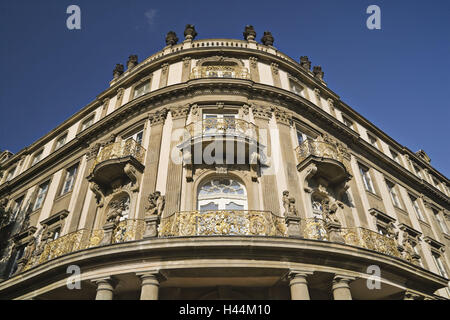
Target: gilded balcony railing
pixel 120 149
pixel 221 126
pixel 211 223
pixel 315 228
pixel 319 149
pixel 222 222
pixel 126 230
pixel 365 238
pixel 219 72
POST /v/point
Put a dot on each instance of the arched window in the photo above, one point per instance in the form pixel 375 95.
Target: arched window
pixel 222 194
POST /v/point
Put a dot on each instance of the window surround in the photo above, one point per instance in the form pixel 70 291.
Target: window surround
pixel 395 156
pixel 349 123
pixel 367 183
pixel 11 173
pixel 382 220
pixel 37 155
pixel 416 207
pixel 373 141
pixel 138 83
pixel 62 182
pixel 55 144
pixel 35 194
pixel 86 120
pixel 295 82
pixel 436 249
pixel 394 194
pixel 53 223
pixel 15 210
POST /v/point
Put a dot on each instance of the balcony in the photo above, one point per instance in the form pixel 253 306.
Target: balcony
pixel 315 229
pixel 220 72
pixel 126 230
pixel 227 223
pixel 328 157
pixel 114 160
pixel 222 223
pixel 224 137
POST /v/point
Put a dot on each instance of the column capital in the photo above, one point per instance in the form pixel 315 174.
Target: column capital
pixel 110 280
pixel 297 273
pixel 152 274
pixel 342 281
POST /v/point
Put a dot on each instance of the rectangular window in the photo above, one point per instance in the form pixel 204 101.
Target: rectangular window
pixel 436 184
pixel 395 156
pixel 393 193
pixel 60 142
pixel 17 207
pixel 348 122
pixel 87 123
pixel 300 137
pixel 372 140
pixel 439 265
pixel 296 88
pixel 11 174
pixel 142 89
pixel 440 221
pixel 416 208
pixel 37 157
pixel 417 170
pixel 19 254
pixel 136 137
pixel 69 180
pixel 366 179
pixel 42 191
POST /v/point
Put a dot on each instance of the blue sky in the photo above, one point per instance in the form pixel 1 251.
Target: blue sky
pixel 397 77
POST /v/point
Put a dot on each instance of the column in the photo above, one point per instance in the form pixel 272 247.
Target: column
pixel 341 288
pixel 153 147
pixel 284 120
pixel 299 285
pixel 150 281
pixel 271 200
pixel 175 170
pixel 105 288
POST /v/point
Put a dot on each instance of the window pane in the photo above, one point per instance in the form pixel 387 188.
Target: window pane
pixel 40 196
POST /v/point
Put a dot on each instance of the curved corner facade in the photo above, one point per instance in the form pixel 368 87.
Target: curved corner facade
pixel 221 169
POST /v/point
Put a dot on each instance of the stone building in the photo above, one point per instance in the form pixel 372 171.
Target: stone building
pixel 219 169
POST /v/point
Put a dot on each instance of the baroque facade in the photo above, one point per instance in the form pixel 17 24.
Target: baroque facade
pixel 219 169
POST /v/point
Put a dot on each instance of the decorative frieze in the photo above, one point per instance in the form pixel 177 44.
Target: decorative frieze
pixel 180 112
pixel 261 112
pixel 282 116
